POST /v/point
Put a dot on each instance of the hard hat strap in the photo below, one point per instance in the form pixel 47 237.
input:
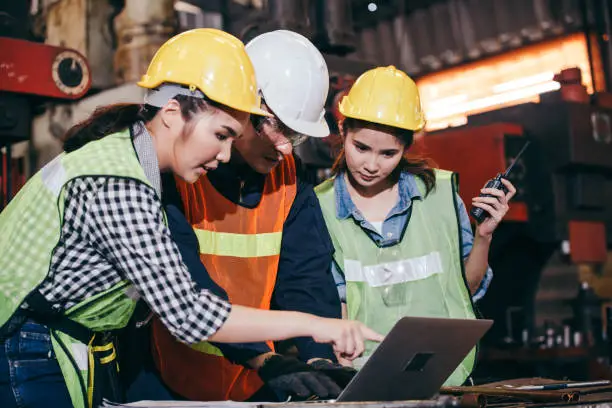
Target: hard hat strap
pixel 161 95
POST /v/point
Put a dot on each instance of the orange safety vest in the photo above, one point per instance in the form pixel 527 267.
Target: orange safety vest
pixel 240 248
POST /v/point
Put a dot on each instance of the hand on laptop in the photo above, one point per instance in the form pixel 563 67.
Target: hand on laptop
pixel 340 374
pixel 346 336
pixel 287 376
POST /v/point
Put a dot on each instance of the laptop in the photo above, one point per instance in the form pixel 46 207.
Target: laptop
pixel 415 359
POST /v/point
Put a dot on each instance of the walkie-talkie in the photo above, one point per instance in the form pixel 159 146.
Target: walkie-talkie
pixel 478 213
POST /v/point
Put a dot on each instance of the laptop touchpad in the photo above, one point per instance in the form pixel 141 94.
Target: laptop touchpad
pixel 417 362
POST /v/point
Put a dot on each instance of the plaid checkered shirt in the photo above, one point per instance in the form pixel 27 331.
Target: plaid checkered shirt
pixel 114 230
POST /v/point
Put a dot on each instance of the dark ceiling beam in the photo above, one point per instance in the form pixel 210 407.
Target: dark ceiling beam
pixel 345 65
pixel 207 5
pixel 387 9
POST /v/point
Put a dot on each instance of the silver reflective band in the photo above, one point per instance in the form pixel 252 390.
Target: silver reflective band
pixel 53 175
pixel 160 96
pixel 391 273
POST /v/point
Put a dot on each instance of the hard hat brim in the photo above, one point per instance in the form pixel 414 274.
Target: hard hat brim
pixel 318 129
pixel 346 110
pixel 256 111
pixel 148 84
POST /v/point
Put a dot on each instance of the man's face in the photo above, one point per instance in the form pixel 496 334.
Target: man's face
pixel 265 142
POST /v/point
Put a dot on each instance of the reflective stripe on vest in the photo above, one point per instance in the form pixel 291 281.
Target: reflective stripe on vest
pixel 239 245
pixel 420 276
pixel 206 347
pixel 240 248
pixel 390 273
pixel 30 226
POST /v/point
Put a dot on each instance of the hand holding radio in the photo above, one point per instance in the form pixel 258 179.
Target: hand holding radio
pixel 491 205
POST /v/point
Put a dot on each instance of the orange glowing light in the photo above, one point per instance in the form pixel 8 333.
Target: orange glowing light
pixel 516 77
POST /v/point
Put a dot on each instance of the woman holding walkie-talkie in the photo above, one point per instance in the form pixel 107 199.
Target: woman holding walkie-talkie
pixel 403 241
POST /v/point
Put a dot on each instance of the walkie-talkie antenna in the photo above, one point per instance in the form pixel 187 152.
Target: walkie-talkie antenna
pixel 507 172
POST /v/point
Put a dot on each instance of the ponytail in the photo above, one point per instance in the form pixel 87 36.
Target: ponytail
pixel 115 118
pixel 105 121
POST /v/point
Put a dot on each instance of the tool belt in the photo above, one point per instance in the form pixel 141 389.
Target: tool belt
pixel 103 382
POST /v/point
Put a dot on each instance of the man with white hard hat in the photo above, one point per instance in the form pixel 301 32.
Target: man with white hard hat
pixel 263 240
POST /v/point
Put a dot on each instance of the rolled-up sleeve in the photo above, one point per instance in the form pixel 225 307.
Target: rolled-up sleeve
pixel 467 238
pixel 125 221
pixel 340 281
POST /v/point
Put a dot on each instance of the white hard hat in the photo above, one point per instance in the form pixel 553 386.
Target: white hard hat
pixel 293 79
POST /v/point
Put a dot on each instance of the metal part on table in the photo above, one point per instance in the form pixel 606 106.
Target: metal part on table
pixel 439 402
pixel 442 401
pixel 534 396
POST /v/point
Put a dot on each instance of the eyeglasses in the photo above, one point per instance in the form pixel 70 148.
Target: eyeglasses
pixel 295 138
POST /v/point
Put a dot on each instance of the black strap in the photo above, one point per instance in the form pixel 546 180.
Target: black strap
pixel 41 311
pixel 12 325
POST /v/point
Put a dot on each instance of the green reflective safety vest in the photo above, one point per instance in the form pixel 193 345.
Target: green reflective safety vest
pixel 423 275
pixel 30 228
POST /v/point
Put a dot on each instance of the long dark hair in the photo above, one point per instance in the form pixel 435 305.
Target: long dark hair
pixel 111 119
pixel 419 166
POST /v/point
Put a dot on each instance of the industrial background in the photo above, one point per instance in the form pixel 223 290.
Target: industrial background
pixel 492 74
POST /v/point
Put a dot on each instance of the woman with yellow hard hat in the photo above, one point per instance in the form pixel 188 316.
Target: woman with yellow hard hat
pixel 403 240
pixel 86 237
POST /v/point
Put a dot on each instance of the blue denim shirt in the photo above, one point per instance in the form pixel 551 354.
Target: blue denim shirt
pixel 396 222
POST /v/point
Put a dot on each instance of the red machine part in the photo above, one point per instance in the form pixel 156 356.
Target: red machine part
pixel 39 69
pixel 587 241
pixel 477 154
pixel 572 89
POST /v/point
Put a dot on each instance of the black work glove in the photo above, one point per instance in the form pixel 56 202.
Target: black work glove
pixel 340 374
pixel 287 375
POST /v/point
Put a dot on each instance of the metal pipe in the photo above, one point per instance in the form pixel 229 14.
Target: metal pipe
pixel 291 15
pixel 225 15
pixel 586 29
pixel 446 47
pixel 468 34
pixel 406 49
pixel 608 43
pixel 141 28
pixel 339 24
pixel 369 45
pixel 419 24
pixel 387 43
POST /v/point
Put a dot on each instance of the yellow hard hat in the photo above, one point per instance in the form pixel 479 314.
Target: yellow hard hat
pixel 211 60
pixel 387 96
